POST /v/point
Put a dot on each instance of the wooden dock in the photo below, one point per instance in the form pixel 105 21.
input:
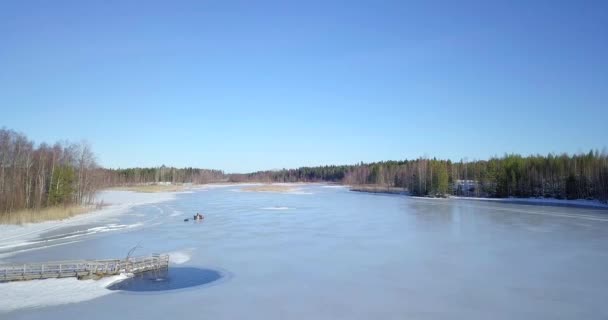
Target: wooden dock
pixel 82 268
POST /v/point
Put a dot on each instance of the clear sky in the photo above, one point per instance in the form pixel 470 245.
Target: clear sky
pixel 252 85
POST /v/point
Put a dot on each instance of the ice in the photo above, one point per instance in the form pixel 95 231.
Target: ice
pixel 119 203
pixel 49 292
pixel 180 257
pixel 347 255
pixel 582 203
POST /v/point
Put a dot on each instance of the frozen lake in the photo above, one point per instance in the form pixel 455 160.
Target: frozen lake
pixel 328 253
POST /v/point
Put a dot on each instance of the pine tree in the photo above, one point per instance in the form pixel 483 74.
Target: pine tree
pixel 62 190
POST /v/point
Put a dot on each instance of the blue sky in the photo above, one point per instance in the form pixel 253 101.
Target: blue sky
pixel 245 85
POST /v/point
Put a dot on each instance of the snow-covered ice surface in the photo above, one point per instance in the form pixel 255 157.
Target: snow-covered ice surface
pixel 49 292
pixel 118 202
pixel 582 203
pixel 16 240
pixel 340 255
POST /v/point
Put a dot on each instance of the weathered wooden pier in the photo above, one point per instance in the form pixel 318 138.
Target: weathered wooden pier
pixel 82 268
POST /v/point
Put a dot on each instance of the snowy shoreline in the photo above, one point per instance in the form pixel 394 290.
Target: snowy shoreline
pixel 579 203
pixel 22 294
pixel 115 202
pixel 118 202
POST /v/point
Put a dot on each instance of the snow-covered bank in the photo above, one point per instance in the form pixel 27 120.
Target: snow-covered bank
pixel 222 185
pixel 284 188
pixel 337 186
pixel 130 198
pixel 48 292
pixel 41 293
pixel 581 203
pixel 118 202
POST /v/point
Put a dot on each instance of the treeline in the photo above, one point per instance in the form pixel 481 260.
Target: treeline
pixel 303 174
pixel 35 177
pixel 579 176
pixel 162 174
pixel 423 177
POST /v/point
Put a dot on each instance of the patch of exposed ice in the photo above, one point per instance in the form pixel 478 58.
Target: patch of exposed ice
pixel 275 208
